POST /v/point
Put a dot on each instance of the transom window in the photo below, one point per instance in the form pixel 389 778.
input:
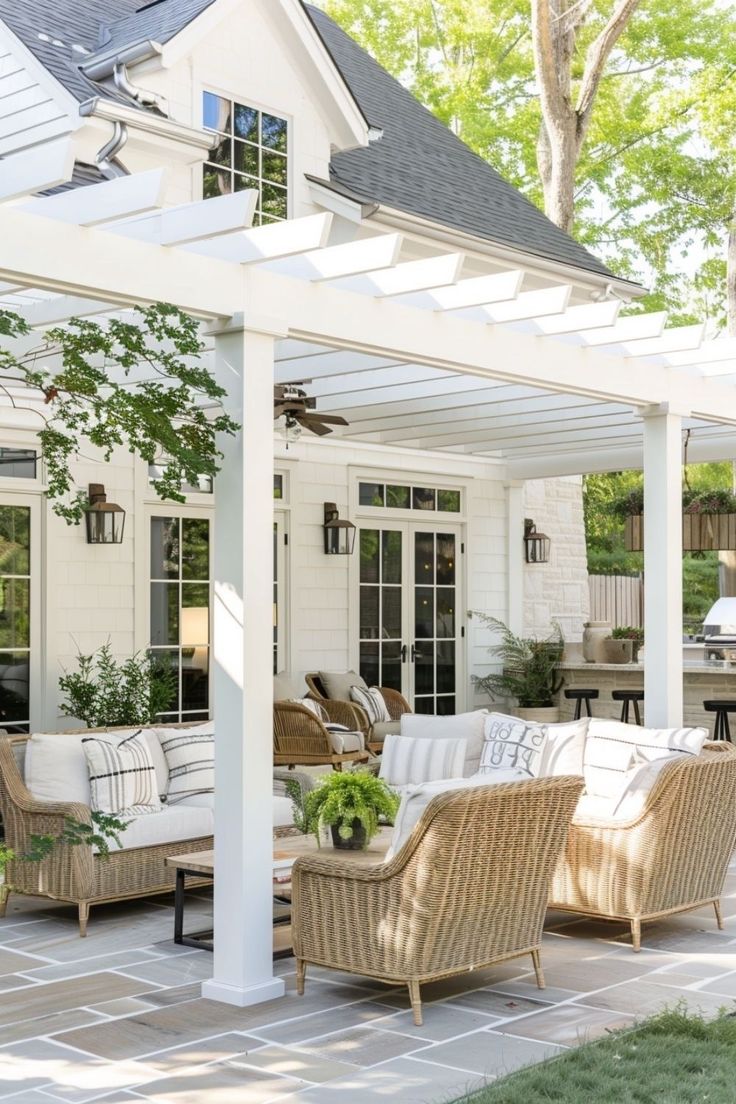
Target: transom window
pixel 402 496
pixel 250 151
pixel 180 610
pixel 17 463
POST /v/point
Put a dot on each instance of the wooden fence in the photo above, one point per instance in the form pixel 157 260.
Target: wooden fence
pixel 617 598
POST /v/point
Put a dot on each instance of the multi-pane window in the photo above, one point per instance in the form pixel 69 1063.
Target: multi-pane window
pixel 15 617
pixel 402 496
pixel 180 610
pixel 18 463
pixel 204 485
pixel 250 150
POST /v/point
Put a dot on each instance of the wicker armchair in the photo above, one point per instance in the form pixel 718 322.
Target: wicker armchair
pixel 396 704
pixel 671 858
pixel 467 889
pixel 299 737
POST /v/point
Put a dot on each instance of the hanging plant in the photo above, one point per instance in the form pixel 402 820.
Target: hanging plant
pixel 81 372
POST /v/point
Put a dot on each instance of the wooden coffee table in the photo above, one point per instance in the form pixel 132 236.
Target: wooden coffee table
pixel 286 850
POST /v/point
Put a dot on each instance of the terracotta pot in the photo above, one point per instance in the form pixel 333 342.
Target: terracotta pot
pixel 618 651
pixel 356 842
pixel 595 634
pixel 545 715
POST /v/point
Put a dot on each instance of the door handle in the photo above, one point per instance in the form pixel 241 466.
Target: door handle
pixel 404 651
pixel 415 654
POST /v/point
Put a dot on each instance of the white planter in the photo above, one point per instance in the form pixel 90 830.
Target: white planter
pixel 548 715
pixel 594 635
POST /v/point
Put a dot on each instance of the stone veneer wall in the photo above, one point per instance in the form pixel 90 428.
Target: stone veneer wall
pixel 558 590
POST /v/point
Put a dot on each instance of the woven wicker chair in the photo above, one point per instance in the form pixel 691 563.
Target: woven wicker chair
pixel 301 738
pixel 467 889
pixel 671 858
pixel 396 704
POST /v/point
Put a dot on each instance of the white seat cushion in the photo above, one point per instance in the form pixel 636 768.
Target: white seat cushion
pixel 283 813
pixel 512 743
pixel 167 825
pixel 344 741
pixel 467 726
pixel 607 766
pixel 415 800
pixel 382 729
pixel 564 748
pixel 629 796
pixel 408 760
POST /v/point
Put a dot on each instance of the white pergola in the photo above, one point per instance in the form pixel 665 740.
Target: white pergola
pixel 413 353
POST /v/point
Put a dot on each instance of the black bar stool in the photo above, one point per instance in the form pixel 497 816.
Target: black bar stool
pixel 629 697
pixel 578 695
pixel 721 707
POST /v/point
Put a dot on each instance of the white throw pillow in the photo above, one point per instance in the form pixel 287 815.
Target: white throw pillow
pixel 564 748
pixel 408 760
pixel 512 743
pixel 607 766
pixel 416 799
pixel 641 781
pixel 651 742
pixel 56 769
pixel 467 726
pixel 122 777
pixel 372 701
pixel 313 707
pixel 190 754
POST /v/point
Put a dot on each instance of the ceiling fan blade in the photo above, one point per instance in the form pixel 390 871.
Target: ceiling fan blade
pixel 329 419
pixel 318 428
pixel 279 409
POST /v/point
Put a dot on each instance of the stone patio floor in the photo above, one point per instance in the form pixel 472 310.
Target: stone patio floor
pixel 118 1016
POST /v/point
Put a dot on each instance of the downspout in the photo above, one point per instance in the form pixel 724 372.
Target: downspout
pixel 125 85
pixel 105 157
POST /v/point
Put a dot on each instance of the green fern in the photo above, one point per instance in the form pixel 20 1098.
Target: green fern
pixel 342 798
pixel 530 672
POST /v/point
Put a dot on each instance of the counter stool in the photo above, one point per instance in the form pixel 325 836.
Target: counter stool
pixel 721 707
pixel 630 697
pixel 578 695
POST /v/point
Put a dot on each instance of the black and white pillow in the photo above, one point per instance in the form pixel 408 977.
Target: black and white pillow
pixel 190 755
pixel 313 706
pixel 512 744
pixel 372 701
pixel 122 775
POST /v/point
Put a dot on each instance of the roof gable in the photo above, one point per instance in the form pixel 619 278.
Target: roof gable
pixel 421 167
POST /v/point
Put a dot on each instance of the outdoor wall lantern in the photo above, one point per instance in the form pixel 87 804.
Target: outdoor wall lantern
pixel 105 520
pixel 536 545
pixel 339 534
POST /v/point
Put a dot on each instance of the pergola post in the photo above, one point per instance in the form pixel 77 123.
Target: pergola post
pixel 663 675
pixel 515 554
pixel 243 616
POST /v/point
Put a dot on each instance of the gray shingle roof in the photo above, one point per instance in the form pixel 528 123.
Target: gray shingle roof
pixel 421 167
pixel 418 166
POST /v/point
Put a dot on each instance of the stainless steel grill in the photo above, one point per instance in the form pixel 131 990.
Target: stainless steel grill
pixel 719 630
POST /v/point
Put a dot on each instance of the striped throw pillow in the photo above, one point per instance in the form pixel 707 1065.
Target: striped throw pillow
pixel 313 706
pixel 410 760
pixel 190 754
pixel 372 701
pixel 122 775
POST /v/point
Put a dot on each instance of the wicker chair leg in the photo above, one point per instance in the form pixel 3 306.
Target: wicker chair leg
pixel 636 934
pixel 4 895
pixel 416 1001
pixel 337 766
pixel 83 918
pixel 719 914
pixel 538 971
pixel 301 973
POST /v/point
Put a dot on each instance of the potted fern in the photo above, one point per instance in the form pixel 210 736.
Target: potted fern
pixel 350 804
pixel 529 675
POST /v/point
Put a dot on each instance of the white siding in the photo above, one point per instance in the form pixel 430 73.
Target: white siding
pixel 29 110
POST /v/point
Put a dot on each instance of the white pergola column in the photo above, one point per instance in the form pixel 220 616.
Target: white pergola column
pixel 243 698
pixel 663 675
pixel 515 554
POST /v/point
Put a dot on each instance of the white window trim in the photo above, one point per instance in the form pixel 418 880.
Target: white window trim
pixel 39 580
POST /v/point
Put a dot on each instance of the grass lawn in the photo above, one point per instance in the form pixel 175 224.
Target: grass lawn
pixel 674 1058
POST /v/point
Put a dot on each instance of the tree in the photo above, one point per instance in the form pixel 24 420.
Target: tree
pixel 91 396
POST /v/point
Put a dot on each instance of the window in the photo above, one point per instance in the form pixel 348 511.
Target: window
pixel 278 487
pixel 15 620
pixel 17 463
pixel 403 497
pixel 205 484
pixel 180 610
pixel 250 151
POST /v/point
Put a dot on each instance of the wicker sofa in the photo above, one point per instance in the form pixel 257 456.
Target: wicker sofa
pixel 468 888
pixel 77 875
pixel 671 857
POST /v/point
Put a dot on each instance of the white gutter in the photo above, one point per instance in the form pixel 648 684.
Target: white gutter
pixel 101 65
pixel 149 121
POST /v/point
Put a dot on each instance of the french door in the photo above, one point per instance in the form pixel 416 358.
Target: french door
pixel 408 625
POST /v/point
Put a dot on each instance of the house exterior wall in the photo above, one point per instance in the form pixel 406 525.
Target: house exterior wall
pixel 558 590
pixel 31 110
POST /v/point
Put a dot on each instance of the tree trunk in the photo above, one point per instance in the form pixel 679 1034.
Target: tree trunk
pixel 731 276
pixel 563 150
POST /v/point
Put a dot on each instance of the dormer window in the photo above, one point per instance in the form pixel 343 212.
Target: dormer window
pixel 250 151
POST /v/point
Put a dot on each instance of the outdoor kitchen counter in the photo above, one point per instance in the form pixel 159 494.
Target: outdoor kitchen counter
pixel 702 681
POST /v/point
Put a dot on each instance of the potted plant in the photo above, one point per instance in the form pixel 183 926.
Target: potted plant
pixel 633 633
pixel 708 520
pixel 530 672
pixel 104 692
pixel 350 803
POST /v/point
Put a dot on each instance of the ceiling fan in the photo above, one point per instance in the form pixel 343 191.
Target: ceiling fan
pixel 291 402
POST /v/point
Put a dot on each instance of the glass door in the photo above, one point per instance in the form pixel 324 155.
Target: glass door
pixel 408 628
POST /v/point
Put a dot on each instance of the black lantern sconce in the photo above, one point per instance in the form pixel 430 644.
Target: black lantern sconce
pixel 105 520
pixel 536 545
pixel 339 534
